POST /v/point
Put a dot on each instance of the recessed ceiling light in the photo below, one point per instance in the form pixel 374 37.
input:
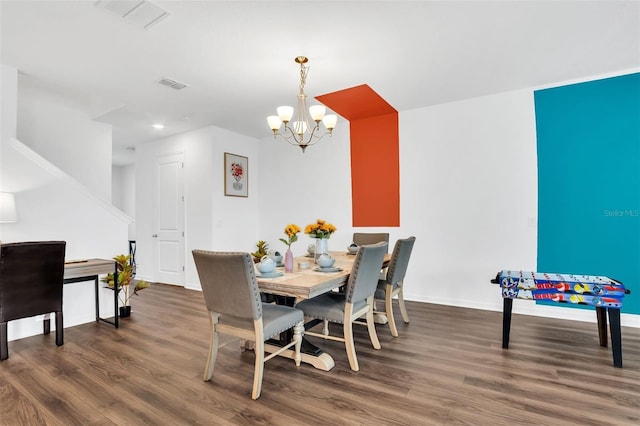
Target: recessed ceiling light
pixel 158 126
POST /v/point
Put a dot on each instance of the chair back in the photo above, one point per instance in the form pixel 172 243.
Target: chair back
pixel 397 268
pixel 228 283
pixel 31 278
pixel 363 279
pixel 366 238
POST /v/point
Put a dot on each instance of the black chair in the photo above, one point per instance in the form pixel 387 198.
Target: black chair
pixel 31 277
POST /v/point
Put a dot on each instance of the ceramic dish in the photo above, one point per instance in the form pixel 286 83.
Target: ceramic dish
pixel 274 274
pixel 332 269
pixel 279 265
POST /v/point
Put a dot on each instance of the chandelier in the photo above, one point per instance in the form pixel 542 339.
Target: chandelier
pixel 300 132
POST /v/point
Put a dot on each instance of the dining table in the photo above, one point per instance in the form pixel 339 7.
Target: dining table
pixel 305 283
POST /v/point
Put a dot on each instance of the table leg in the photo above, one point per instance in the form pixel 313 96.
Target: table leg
pixel 507 307
pixel 601 314
pixel 616 336
pixel 95 279
pixel 311 354
pixel 115 295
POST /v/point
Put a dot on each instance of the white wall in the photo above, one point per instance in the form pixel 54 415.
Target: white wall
pixel 212 221
pixel 62 131
pixel 469 189
pixel 301 187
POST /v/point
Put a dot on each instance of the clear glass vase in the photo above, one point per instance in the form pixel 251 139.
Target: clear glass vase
pixel 321 248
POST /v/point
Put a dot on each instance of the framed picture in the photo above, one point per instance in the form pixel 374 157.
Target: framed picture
pixel 236 175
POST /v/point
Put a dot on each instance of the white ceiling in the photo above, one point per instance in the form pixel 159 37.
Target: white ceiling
pixel 237 56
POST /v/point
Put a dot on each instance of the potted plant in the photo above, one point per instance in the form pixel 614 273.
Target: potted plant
pixel 125 283
pixel 262 247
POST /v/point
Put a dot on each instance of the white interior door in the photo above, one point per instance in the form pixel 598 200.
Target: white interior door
pixel 169 235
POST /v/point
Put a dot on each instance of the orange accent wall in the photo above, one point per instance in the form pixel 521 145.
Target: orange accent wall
pixel 375 157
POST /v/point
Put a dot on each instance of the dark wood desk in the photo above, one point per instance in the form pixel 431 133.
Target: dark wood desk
pixel 88 270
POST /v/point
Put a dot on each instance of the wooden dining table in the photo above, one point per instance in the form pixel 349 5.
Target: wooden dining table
pixel 304 284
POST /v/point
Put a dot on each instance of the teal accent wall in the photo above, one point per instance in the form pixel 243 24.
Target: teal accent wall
pixel 588 142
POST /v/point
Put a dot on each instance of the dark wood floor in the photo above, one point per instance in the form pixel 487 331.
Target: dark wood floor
pixel 447 367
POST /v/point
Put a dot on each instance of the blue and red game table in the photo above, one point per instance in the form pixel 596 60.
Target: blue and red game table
pixel 604 293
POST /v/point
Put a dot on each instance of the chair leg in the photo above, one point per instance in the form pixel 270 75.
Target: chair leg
pixel 371 326
pixel 349 344
pixel 46 325
pixel 388 302
pixel 297 337
pixel 213 350
pixel 4 346
pixel 403 309
pixel 59 329
pixel 259 368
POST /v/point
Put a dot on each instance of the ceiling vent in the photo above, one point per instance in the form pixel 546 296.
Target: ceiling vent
pixel 172 83
pixel 142 14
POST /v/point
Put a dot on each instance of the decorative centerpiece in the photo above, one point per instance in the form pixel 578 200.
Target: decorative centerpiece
pixel 321 231
pixel 291 231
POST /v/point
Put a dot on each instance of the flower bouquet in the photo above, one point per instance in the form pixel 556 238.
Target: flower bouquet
pixel 321 231
pixel 291 231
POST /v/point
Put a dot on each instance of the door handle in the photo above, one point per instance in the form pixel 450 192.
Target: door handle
pixel 155 235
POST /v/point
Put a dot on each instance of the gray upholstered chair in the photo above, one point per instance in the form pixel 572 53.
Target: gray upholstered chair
pixel 345 308
pixel 365 238
pixel 391 286
pixel 233 300
pixel 31 278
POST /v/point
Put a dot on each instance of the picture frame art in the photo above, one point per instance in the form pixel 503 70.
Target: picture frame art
pixel 236 175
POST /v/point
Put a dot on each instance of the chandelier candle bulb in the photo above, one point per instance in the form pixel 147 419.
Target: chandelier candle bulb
pixel 274 122
pixel 330 121
pixel 317 112
pixel 300 127
pixel 305 130
pixel 285 113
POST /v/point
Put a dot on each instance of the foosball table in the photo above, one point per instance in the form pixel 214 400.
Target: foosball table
pixel 603 293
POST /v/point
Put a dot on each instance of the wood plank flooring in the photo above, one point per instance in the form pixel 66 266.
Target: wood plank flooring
pixel 446 368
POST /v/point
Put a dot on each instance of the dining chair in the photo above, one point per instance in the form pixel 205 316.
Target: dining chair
pixel 365 238
pixel 31 279
pixel 235 308
pixel 391 286
pixel 345 308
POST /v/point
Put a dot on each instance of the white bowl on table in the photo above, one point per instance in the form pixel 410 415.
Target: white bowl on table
pixel 326 261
